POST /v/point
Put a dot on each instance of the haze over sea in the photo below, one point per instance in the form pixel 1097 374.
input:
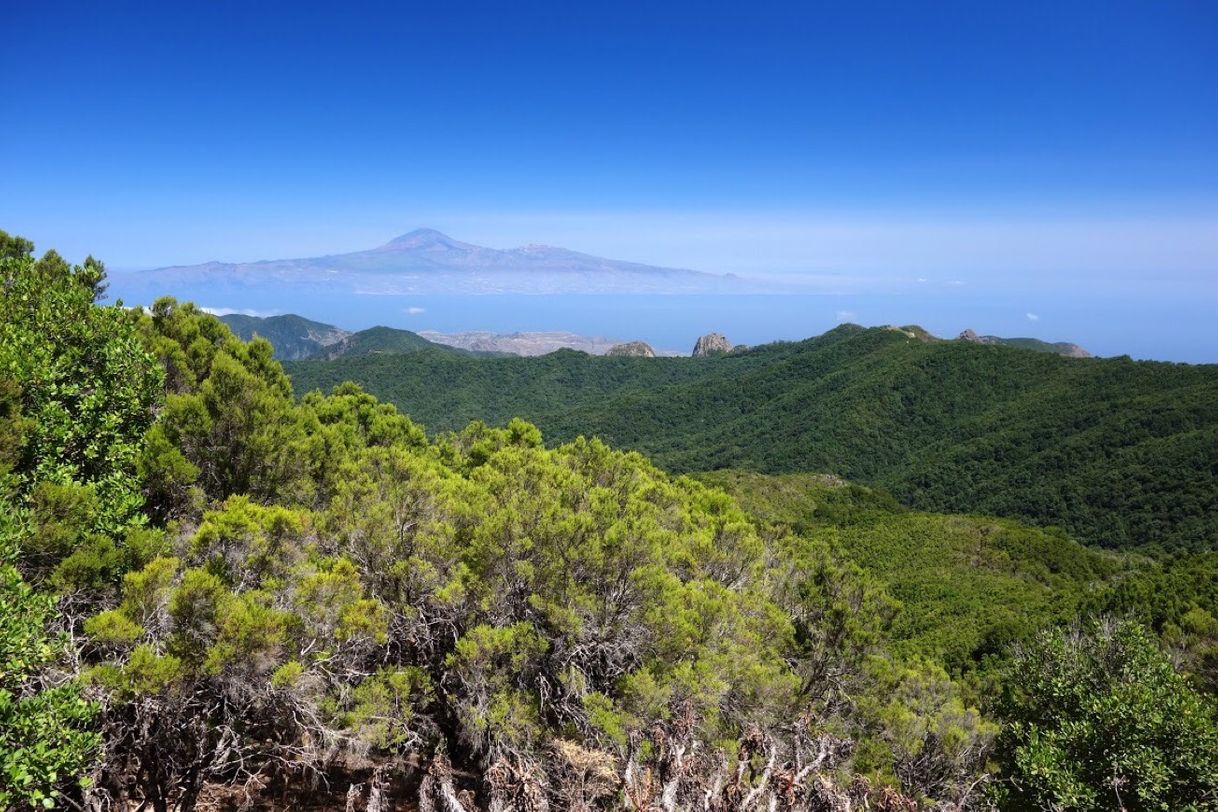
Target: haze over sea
pixel 1038 169
pixel 1100 323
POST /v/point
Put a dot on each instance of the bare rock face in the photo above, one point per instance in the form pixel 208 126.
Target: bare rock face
pixel 633 349
pixel 1073 350
pixel 969 335
pixel 712 344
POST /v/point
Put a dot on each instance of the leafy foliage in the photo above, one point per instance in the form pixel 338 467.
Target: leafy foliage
pixel 1101 720
pixel 1178 598
pixel 83 384
pixel 44 737
pixel 339 581
pixel 77 392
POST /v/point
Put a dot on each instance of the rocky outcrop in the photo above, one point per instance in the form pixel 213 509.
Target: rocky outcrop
pixel 1072 350
pixel 633 349
pixel 712 344
pixel 969 335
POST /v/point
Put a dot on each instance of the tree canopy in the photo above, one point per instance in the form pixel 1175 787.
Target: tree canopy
pixel 1118 453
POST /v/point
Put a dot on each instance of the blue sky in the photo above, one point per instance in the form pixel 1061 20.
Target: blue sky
pixel 1064 144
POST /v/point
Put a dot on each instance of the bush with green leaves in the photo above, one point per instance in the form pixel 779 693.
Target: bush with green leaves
pixel 84 384
pixel 77 394
pixel 1100 719
pixel 45 738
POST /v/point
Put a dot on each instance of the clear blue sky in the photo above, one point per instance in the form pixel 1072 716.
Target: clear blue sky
pixel 981 142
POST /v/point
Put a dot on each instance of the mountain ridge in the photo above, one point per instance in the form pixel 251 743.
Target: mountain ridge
pixel 1064 348
pixel 293 339
pixel 1095 446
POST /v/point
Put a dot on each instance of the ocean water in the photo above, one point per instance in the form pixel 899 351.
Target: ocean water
pixel 1164 326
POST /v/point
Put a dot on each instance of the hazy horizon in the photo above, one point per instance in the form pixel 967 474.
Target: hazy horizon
pixel 947 164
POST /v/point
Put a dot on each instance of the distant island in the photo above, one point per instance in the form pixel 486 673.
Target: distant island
pixel 425 261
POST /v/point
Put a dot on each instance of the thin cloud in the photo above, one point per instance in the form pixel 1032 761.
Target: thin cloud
pixel 847 315
pixel 1032 317
pixel 237 311
pixel 414 311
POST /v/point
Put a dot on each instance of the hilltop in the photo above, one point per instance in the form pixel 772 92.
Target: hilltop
pixel 523 342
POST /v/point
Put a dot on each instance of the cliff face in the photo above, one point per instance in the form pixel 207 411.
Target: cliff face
pixel 712 344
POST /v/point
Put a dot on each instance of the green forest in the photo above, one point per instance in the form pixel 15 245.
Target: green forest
pixel 1118 453
pixel 224 588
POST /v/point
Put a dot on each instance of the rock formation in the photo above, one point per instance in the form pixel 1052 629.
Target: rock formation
pixel 712 344
pixel 634 349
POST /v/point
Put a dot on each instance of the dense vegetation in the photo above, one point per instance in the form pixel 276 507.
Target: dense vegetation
pixel 968 586
pixel 1118 453
pixel 214 594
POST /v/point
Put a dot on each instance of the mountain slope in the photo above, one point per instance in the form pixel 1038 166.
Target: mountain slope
pixel 426 261
pixel 1120 453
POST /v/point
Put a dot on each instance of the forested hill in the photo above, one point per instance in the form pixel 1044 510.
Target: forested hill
pixel 1120 453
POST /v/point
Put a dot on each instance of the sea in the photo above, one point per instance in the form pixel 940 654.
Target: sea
pixel 1163 326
